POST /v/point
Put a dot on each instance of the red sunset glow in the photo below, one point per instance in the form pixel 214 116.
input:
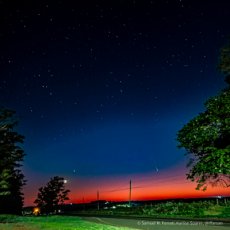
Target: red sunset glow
pixel 168 184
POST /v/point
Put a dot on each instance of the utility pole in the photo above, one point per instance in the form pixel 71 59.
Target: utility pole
pixel 98 206
pixel 130 192
pixel 83 201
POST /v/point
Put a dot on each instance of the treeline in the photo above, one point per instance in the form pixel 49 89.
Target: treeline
pixel 219 208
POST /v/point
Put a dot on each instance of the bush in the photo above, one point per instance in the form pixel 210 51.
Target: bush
pixel 194 209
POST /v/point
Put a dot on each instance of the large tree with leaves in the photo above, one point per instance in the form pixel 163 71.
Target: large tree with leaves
pixel 207 136
pixel 11 155
pixel 52 195
pixel 224 62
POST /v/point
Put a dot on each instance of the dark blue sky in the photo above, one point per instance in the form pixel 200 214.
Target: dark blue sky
pixel 102 87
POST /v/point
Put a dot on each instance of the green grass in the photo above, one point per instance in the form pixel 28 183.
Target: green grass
pixel 204 209
pixel 50 223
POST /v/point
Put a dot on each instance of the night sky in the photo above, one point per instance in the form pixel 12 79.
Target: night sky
pixel 102 87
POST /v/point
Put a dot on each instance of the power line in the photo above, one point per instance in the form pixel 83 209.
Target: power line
pixel 150 184
pixel 150 181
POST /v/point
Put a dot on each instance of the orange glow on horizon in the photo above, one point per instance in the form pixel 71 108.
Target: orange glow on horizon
pixel 168 184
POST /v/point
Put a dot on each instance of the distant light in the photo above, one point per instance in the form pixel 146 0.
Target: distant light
pixel 65 181
pixel 36 211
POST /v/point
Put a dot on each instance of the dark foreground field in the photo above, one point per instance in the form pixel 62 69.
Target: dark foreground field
pixel 170 215
pixel 51 223
pixel 99 223
pixel 162 224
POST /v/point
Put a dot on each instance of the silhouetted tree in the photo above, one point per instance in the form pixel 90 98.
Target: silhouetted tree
pixel 207 136
pixel 52 195
pixel 224 62
pixel 11 156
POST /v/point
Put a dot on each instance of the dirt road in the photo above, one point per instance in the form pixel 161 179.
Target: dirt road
pixel 160 224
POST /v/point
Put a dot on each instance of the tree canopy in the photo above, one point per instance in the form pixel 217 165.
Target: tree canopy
pixel 52 195
pixel 207 136
pixel 224 62
pixel 11 155
pixel 207 140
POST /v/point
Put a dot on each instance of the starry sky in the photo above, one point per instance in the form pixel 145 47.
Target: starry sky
pixel 102 87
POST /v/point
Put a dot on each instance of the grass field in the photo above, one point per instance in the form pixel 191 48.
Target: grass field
pixel 167 210
pixel 50 223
